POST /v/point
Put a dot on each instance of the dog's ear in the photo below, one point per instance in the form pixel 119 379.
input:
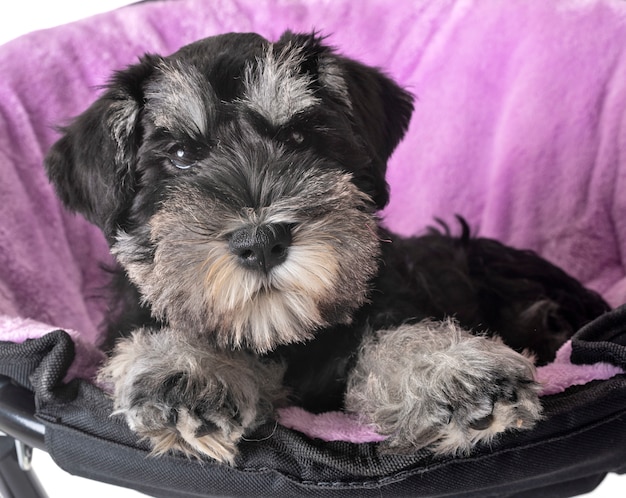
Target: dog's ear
pixel 92 166
pixel 380 109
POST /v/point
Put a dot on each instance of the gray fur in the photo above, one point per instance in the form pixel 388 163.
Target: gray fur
pixel 274 89
pixel 331 75
pixel 187 396
pixel 435 384
pixel 180 99
pixel 330 262
pixel 121 120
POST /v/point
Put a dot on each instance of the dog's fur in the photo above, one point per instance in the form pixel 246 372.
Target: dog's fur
pixel 238 183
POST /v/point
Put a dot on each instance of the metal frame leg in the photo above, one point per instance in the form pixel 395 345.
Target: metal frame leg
pixel 16 481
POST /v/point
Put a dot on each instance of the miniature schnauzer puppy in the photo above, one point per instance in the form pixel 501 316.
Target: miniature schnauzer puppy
pixel 238 183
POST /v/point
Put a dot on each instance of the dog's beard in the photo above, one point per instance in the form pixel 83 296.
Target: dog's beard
pixel 193 281
pixel 285 305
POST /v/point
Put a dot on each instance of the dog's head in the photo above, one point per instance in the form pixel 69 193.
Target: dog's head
pixel 237 182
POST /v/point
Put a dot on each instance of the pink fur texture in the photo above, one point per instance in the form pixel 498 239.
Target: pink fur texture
pixel 520 127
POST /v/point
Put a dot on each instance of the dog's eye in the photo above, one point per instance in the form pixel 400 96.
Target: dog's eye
pixel 181 159
pixel 296 137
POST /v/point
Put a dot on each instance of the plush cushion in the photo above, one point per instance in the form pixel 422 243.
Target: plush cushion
pixel 519 126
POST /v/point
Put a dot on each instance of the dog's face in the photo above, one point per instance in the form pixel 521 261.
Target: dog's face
pixel 238 183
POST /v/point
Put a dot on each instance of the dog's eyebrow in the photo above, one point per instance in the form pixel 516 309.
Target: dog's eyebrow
pixel 181 98
pixel 275 89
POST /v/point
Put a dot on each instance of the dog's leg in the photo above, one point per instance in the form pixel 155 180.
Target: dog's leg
pixel 187 396
pixel 434 384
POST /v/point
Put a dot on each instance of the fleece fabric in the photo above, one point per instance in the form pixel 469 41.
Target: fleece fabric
pixel 519 126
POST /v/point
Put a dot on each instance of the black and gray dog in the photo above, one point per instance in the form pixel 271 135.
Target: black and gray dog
pixel 238 182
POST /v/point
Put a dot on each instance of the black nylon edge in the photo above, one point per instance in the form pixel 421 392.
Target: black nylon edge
pixel 38 364
pixel 591 450
pixel 85 440
pixel 603 340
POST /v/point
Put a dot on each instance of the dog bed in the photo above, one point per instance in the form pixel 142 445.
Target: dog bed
pixel 520 127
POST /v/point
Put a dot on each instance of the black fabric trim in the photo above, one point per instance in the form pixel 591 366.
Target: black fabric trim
pixel 582 437
pixel 520 470
pixel 603 340
pixel 38 364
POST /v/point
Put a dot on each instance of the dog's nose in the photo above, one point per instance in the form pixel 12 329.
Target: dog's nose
pixel 261 248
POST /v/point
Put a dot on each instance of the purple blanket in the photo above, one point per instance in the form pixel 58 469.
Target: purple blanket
pixel 520 126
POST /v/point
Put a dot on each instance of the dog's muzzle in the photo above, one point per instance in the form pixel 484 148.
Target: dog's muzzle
pixel 261 247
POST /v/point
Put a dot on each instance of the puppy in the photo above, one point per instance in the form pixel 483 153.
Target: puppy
pixel 238 183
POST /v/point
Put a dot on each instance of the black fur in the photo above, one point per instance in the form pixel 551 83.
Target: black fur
pixel 103 178
pixel 488 287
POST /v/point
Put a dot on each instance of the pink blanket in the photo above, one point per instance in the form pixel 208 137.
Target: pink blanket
pixel 520 126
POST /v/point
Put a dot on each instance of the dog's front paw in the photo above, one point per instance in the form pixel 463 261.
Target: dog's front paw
pixel 185 399
pixel 435 385
pixel 194 415
pixel 495 396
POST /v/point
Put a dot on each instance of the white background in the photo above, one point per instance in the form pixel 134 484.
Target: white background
pixel 22 16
